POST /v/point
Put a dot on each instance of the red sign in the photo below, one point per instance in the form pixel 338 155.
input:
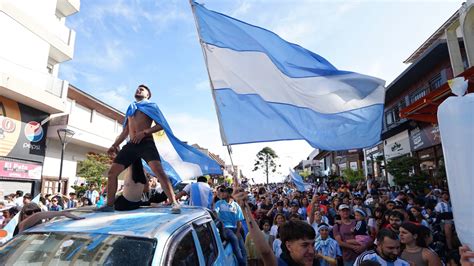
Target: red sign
pixel 17 169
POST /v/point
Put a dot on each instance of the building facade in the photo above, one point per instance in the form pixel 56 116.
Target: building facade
pixel 95 126
pixel 412 100
pixel 30 92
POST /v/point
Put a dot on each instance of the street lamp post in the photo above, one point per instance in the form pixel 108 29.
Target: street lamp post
pixel 65 135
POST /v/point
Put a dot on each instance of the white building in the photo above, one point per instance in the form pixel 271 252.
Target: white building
pixel 95 124
pixel 35 41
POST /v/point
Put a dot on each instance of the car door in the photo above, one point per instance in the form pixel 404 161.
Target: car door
pixel 185 249
pixel 207 241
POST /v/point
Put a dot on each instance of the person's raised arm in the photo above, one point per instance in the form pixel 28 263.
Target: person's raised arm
pixel 314 200
pixel 270 212
pixel 255 233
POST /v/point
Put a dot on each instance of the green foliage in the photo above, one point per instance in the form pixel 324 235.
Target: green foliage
pixel 80 190
pixel 379 158
pixel 401 169
pixel 266 161
pixel 94 169
pixel 353 176
pixel 304 174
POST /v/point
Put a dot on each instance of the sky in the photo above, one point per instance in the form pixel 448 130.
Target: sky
pixel 123 43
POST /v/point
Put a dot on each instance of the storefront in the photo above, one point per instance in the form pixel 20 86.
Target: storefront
pixel 395 147
pixel 426 146
pixel 22 147
pixel 375 162
pixel 350 159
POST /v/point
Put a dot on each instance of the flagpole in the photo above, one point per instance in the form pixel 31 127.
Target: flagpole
pixel 221 129
pixel 234 176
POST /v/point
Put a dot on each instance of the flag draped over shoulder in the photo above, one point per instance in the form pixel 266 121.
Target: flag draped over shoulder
pixel 268 89
pixel 180 161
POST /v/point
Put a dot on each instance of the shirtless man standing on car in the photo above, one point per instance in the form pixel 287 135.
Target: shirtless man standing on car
pixel 141 146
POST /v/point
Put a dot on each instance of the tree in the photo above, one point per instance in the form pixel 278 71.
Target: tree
pixel 402 169
pixel 266 161
pixel 353 176
pixel 94 169
pixel 304 174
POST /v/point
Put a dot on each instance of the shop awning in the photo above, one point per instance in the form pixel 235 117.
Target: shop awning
pixel 426 108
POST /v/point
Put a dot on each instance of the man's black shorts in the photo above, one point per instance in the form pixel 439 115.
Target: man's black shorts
pixel 131 152
pixel 122 204
pixel 138 176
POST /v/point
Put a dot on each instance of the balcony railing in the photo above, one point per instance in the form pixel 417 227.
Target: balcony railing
pixel 419 94
pixel 40 80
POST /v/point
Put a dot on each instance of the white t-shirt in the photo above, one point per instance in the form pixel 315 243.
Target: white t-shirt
pixel 204 192
pixel 19 202
pixel 274 230
pixel 92 195
pixel 443 207
pixel 373 256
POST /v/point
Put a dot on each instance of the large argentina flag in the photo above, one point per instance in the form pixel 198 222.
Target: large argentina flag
pixel 268 89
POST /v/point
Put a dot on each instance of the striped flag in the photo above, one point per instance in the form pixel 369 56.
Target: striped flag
pixel 267 89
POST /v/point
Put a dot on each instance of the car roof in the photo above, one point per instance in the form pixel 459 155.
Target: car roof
pixel 144 222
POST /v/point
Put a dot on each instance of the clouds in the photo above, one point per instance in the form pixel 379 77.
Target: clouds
pixel 122 43
pixel 203 86
pixel 205 132
pixel 119 97
pixel 135 15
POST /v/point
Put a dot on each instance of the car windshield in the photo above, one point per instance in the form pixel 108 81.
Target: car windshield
pixel 77 249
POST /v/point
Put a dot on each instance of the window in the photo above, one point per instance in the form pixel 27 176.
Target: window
pixel 78 249
pixel 208 242
pixel 186 253
pixel 435 82
pixel 50 186
pixel 392 115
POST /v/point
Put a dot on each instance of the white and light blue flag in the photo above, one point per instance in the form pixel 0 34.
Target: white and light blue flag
pixel 268 89
pixel 180 161
pixel 298 181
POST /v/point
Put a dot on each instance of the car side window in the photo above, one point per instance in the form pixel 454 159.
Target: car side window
pixel 186 253
pixel 208 242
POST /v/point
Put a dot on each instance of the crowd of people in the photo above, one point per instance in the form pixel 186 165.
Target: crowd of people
pixel 345 223
pixel 51 205
pixel 329 223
